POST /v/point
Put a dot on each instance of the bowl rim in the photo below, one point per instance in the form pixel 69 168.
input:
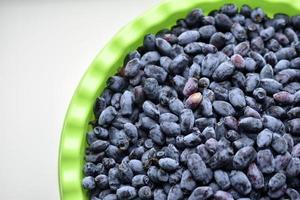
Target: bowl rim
pixel 108 61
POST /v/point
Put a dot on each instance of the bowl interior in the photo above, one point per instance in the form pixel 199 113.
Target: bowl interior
pixel 109 60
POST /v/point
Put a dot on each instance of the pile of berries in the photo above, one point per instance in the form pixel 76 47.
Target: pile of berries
pixel 208 109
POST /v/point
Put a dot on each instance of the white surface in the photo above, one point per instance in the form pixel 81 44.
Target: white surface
pixel 45 47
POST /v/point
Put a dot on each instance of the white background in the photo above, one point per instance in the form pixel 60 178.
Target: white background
pixel 45 47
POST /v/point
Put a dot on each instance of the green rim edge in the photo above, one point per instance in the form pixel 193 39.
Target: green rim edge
pixel 109 60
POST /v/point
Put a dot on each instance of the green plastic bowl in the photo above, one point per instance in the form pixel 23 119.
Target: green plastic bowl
pixel 109 60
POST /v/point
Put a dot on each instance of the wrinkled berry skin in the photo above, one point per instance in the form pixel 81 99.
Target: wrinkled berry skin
pixel 156 72
pixel 243 157
pixel 187 182
pixel 222 179
pixel 175 192
pixel 178 64
pixel 170 128
pixel 279 144
pixel 211 62
pixel 145 192
pixel 265 161
pixel 186 120
pixel 293 194
pixel 203 192
pixel 293 168
pixel 132 68
pixel 107 116
pixel 126 192
pixel 190 87
pixel 294 126
pixel 255 176
pixel 222 195
pixel 88 183
pixel 252 81
pixel 277 181
pixel 264 138
pixel 240 182
pixel 197 167
pixel 168 164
